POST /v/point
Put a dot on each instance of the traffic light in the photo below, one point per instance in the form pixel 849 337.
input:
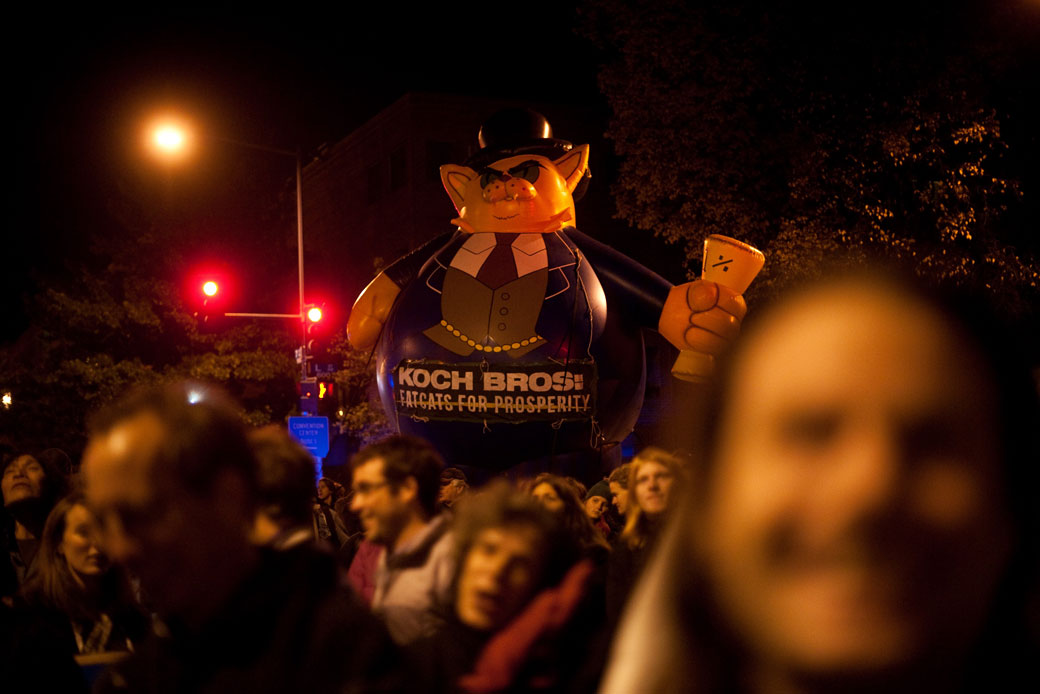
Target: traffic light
pixel 211 308
pixel 207 291
pixel 309 396
pixel 317 346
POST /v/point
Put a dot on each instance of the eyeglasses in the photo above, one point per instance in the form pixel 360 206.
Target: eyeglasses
pixel 366 488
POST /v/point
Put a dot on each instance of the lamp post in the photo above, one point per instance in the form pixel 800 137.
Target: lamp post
pixel 173 139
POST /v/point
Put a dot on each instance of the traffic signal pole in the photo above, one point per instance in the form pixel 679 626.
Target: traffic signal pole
pixel 173 139
pixel 298 155
pixel 299 260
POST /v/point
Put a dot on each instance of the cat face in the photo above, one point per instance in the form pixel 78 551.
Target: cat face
pixel 527 194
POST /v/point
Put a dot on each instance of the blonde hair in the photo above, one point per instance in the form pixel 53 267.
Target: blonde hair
pixel 637 524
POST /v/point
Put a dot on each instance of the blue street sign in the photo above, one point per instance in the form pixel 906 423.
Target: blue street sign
pixel 312 433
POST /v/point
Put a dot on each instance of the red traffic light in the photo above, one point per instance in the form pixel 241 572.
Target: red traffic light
pixel 314 314
pixel 209 287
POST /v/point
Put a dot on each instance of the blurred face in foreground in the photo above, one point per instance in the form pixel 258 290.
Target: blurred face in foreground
pixel 184 544
pixel 854 521
pixel 499 575
pixel 383 509
pixel 653 487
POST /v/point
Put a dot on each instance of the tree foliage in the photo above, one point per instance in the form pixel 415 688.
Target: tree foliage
pixel 892 131
pixel 363 419
pixel 120 314
pixel 116 319
pixel 100 334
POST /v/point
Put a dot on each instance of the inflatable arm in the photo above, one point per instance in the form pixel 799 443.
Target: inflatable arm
pixel 638 293
pixel 699 315
pixel 374 303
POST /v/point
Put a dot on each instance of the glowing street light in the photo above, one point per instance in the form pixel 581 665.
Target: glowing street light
pixel 169 138
pixel 173 140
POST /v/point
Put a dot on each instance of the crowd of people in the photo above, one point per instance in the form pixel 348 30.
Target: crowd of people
pixel 862 517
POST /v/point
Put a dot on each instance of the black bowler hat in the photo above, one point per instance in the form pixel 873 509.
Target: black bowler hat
pixel 513 131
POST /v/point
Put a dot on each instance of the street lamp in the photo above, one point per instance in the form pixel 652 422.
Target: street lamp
pixel 169 138
pixel 172 138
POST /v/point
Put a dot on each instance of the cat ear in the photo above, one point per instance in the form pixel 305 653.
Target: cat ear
pixel 455 178
pixel 573 165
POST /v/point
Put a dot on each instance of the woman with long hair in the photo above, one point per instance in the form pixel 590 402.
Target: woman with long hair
pixel 328 526
pixel 561 497
pixel 73 586
pixel 652 476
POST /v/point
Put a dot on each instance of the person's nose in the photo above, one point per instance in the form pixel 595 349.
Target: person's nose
pixel 495 569
pixel 120 547
pixel 117 544
pixel 871 478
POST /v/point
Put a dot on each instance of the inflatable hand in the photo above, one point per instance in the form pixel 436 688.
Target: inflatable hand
pixel 702 316
pixel 370 312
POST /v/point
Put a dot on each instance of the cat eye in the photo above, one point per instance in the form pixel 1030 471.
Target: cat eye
pixel 528 170
pixel 489 176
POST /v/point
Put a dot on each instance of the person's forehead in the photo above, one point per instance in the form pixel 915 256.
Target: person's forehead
pixel 22 462
pixel 78 514
pixel 854 345
pixel 120 464
pixel 371 470
pixel 651 468
pixel 514 538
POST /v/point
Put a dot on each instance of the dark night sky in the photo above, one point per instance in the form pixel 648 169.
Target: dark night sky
pixel 89 82
pixel 80 86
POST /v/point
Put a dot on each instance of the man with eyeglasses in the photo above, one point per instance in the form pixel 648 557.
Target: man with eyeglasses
pixel 396 483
